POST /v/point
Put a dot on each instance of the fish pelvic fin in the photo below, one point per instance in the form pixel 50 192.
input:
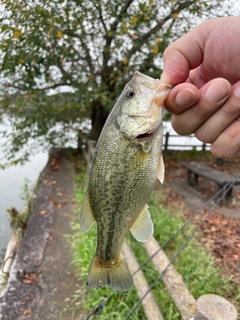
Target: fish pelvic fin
pixel 142 228
pixel 114 275
pixel 86 216
pixel 161 169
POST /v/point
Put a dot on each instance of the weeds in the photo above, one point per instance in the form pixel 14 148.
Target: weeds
pixel 19 219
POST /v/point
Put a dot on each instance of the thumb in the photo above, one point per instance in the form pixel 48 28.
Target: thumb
pixel 182 56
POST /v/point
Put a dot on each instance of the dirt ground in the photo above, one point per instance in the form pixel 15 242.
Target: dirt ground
pixel 221 230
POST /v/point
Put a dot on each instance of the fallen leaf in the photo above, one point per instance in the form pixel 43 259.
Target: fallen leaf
pixel 30 278
pixel 51 183
pixel 31 296
pixel 27 312
pixel 43 212
pixel 55 164
pixel 27 281
pixel 61 204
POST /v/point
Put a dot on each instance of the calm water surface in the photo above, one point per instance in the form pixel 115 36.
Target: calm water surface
pixel 12 181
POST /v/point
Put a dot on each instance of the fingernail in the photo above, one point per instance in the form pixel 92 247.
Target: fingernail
pixel 218 90
pixel 185 97
pixel 164 78
pixel 236 91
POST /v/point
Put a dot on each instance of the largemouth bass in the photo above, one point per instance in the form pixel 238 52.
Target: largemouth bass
pixel 125 168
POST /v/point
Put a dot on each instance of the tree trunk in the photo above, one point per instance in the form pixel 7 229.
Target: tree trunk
pixel 98 117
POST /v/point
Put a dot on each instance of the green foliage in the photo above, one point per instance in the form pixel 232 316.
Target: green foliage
pixel 62 60
pixel 200 273
pixel 187 155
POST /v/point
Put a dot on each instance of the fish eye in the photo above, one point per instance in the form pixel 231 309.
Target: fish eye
pixel 129 93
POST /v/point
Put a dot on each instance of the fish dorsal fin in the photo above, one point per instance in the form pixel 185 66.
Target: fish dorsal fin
pixel 86 217
pixel 142 229
pixel 161 169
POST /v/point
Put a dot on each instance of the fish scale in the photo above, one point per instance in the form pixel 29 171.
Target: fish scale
pixel 123 175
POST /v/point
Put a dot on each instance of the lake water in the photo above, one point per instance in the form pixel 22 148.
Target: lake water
pixel 12 181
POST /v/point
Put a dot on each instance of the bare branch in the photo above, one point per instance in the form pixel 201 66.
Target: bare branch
pixel 138 42
pixel 88 57
pixel 120 15
pixel 109 37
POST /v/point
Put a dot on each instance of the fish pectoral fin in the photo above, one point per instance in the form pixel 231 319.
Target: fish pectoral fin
pixel 116 276
pixel 161 169
pixel 142 228
pixel 86 216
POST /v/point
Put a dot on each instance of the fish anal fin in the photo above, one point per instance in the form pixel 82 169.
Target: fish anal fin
pixel 86 217
pixel 113 275
pixel 142 228
pixel 161 169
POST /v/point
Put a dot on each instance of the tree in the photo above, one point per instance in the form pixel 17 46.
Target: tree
pixel 63 61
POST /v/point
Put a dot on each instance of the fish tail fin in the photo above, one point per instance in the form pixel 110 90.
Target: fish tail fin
pixel 113 275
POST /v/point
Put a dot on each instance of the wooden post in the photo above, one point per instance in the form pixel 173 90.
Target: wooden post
pixel 166 141
pixel 149 304
pixel 79 140
pixel 188 176
pixel 173 281
pixel 195 178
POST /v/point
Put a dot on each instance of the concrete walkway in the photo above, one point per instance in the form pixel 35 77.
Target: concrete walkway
pixel 42 279
pixel 194 200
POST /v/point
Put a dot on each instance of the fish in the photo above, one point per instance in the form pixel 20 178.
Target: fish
pixel 126 166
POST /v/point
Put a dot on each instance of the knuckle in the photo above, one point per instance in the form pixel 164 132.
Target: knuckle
pixel 204 135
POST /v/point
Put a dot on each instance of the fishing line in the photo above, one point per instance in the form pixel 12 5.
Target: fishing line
pixel 218 197
pixel 165 270
pixel 98 310
pixel 224 191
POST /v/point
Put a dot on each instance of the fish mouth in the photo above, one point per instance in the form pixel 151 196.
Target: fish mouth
pixel 150 131
pixel 144 135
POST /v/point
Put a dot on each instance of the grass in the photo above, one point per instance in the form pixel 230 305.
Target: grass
pixel 186 155
pixel 195 264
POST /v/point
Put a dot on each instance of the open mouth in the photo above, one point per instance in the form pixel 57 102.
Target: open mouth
pixel 144 135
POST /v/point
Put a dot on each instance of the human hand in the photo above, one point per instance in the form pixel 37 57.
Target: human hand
pixel 203 65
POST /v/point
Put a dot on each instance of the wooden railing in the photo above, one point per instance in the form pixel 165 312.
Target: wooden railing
pixel 168 145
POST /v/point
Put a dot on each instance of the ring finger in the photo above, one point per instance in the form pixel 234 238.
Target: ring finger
pixel 222 118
